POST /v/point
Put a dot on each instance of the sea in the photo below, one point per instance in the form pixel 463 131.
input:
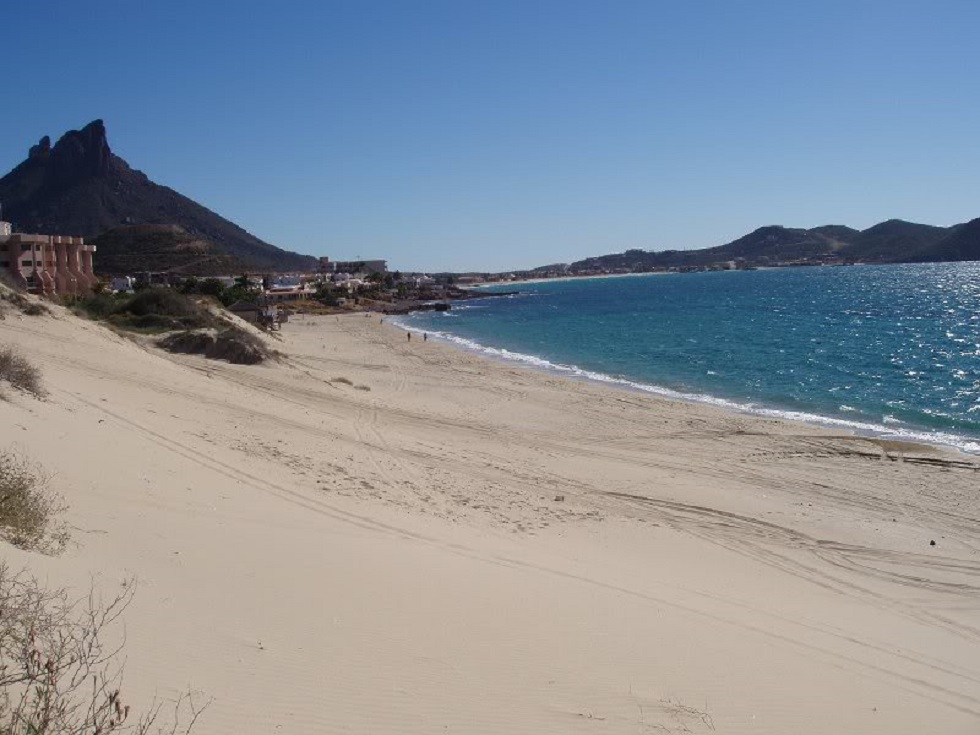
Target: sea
pixel 892 351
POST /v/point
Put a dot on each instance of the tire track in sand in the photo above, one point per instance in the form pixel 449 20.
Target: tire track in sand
pixel 913 683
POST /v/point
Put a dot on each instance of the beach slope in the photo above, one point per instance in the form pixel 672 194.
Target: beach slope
pixel 377 535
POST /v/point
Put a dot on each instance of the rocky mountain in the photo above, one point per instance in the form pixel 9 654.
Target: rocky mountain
pixel 135 248
pixel 80 187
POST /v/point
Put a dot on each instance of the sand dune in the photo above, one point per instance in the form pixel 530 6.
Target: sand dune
pixel 381 536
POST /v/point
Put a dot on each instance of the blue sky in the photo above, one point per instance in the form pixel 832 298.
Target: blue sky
pixel 461 134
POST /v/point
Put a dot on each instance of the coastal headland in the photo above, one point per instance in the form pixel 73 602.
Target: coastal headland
pixel 382 535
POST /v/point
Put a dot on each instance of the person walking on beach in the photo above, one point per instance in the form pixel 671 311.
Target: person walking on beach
pixel 425 336
pixel 409 335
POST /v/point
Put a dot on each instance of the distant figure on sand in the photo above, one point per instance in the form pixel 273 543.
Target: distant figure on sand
pixel 409 335
pixel 425 336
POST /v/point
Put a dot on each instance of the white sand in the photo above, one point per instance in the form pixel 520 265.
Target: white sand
pixel 324 559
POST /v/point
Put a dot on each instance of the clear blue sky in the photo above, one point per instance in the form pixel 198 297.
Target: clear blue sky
pixel 492 135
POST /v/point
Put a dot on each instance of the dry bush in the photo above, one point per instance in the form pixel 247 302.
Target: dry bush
pixel 233 344
pixel 35 308
pixel 239 347
pixel 20 301
pixel 19 373
pixel 189 343
pixel 28 509
pixel 13 297
pixel 58 673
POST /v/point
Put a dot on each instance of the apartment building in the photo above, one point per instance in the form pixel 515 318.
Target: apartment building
pixel 46 264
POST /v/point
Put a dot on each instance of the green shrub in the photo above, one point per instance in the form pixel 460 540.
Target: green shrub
pixel 238 292
pixel 98 306
pixel 211 287
pixel 162 309
pixel 150 310
pixel 189 285
pixel 162 301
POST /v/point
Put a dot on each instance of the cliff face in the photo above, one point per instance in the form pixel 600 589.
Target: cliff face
pixel 80 187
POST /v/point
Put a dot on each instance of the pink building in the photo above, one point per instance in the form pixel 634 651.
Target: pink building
pixel 46 264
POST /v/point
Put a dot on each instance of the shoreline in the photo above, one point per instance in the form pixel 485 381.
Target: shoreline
pixel 964 445
pixel 383 535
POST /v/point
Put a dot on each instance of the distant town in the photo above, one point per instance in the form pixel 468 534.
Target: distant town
pixel 65 266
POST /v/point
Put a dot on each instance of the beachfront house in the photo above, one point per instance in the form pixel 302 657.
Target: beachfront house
pixel 247 310
pixel 367 267
pixel 282 294
pixel 263 315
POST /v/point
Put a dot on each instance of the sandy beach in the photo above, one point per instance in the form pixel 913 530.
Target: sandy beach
pixel 378 535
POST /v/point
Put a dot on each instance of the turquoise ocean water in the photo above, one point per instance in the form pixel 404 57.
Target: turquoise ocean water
pixel 891 350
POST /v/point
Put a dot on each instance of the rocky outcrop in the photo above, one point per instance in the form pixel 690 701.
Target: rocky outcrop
pixel 79 155
pixel 41 150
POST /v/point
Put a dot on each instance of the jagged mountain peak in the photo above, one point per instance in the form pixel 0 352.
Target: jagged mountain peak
pixel 79 187
pixel 79 154
pixel 40 151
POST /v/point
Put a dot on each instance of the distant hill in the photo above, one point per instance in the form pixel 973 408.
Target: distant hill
pixel 894 241
pixel 765 245
pixel 962 242
pixel 80 187
pixel 838 233
pixel 776 243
